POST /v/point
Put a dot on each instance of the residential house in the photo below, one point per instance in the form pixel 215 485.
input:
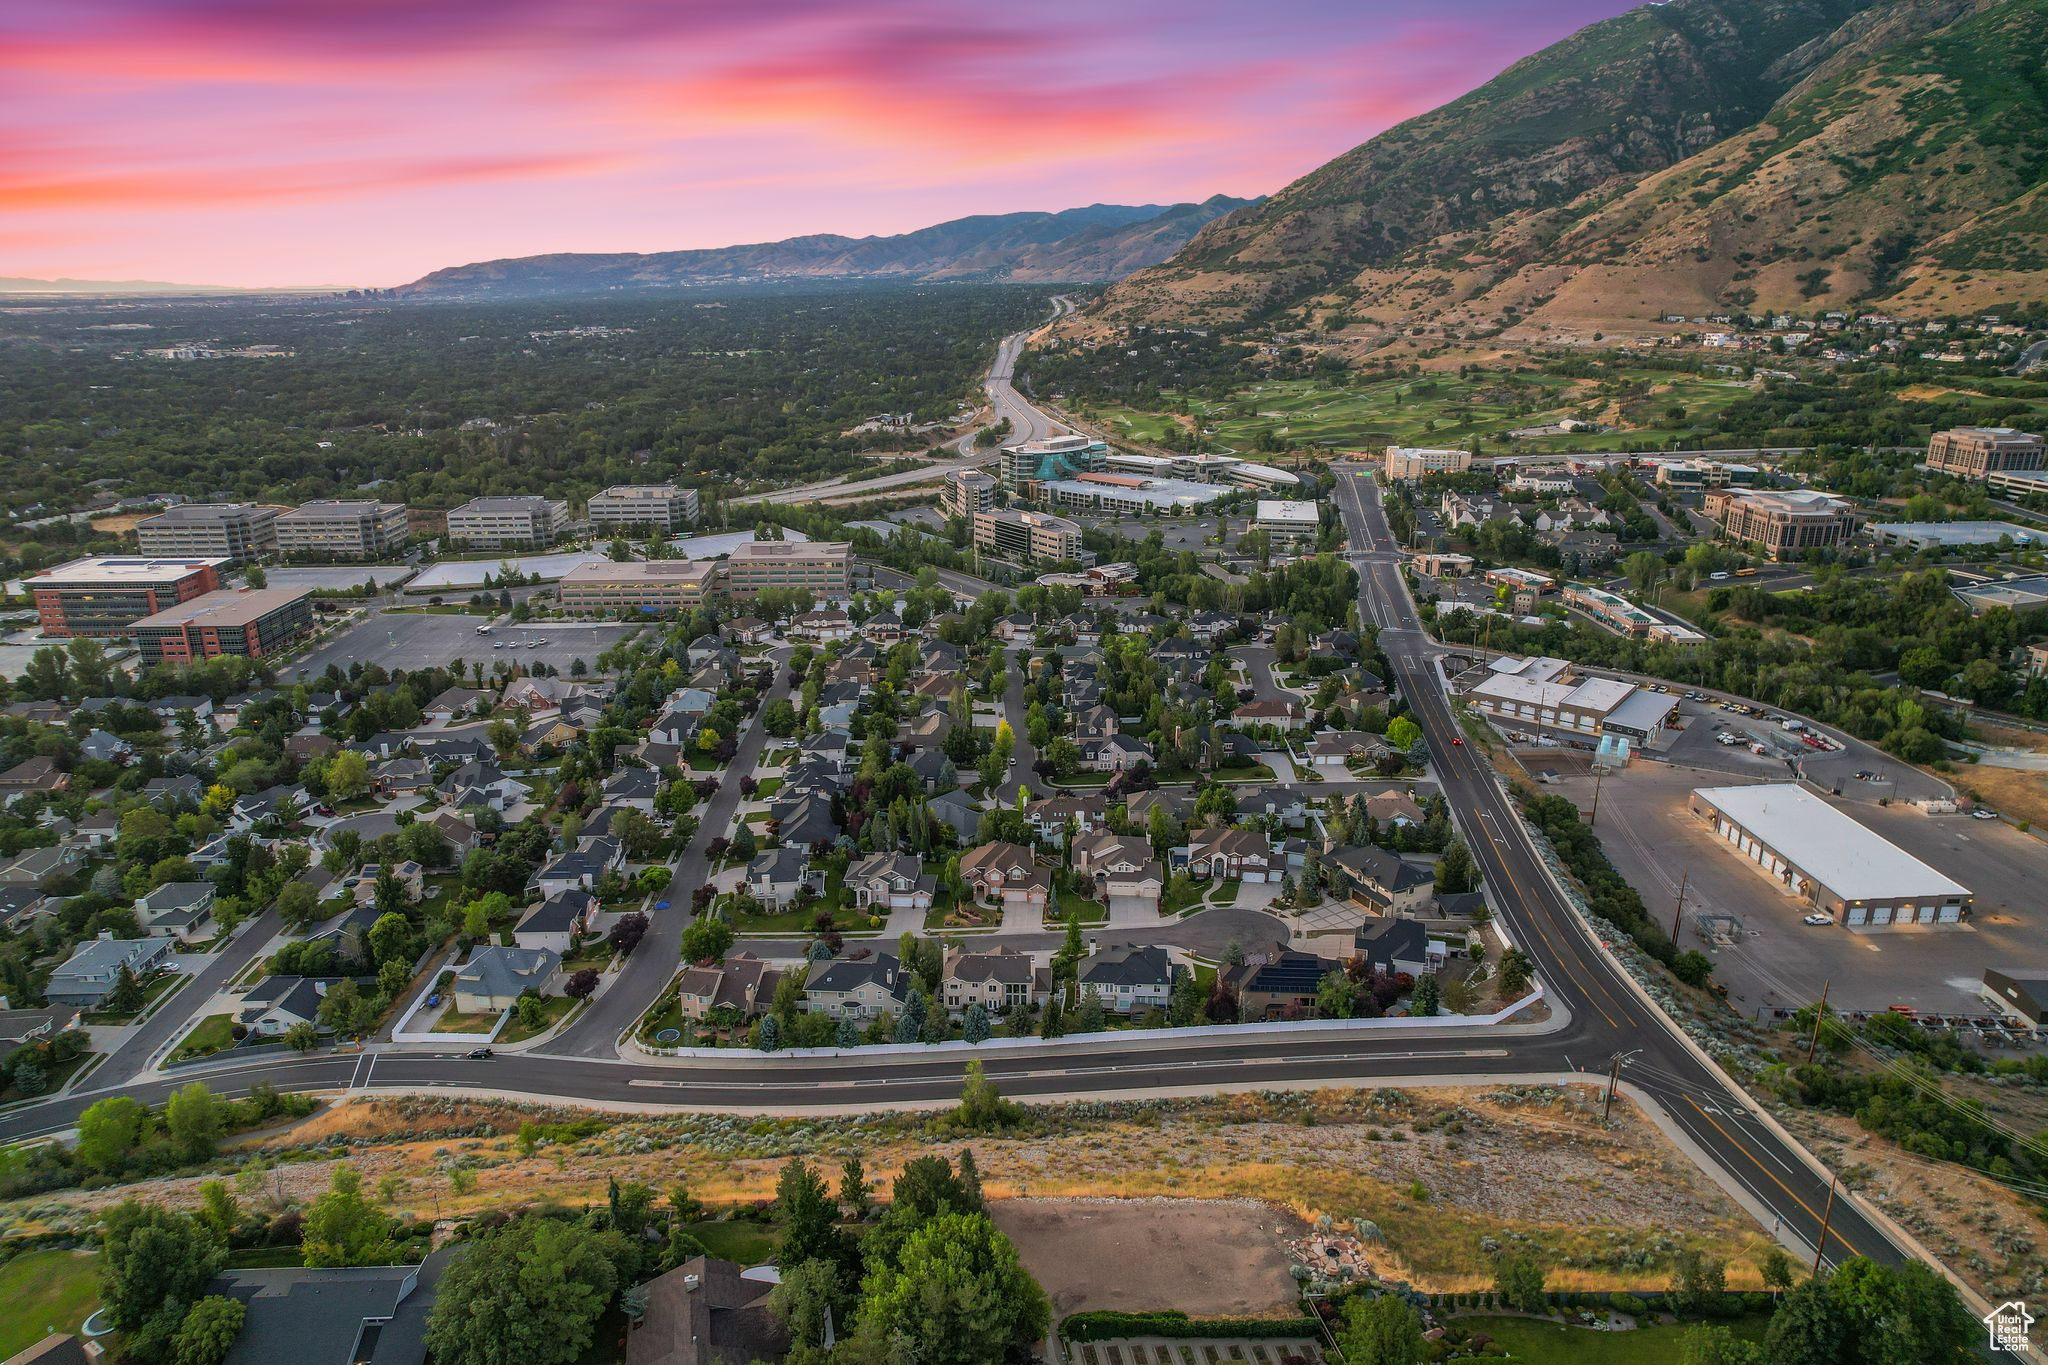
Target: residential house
pixel 957 812
pixel 822 627
pixel 1007 875
pixel 1397 946
pixel 582 867
pixel 458 830
pixel 804 823
pixel 343 1315
pixel 1222 852
pixel 20 906
pixel 1394 808
pixel 1050 816
pixel 776 876
pixel 179 910
pixel 104 747
pixel 19 1028
pixel 272 803
pixel 482 783
pixel 1179 803
pixel 1128 978
pixel 1122 872
pixel 890 881
pixel 706 1312
pixel 412 881
pixel 997 979
pixel 747 630
pixel 1383 882
pixel 742 983
pixel 90 973
pixel 557 922
pixel 349 932
pixel 1114 754
pixel 1285 716
pixel 494 978
pixel 633 786
pixel 1286 805
pixel 402 777
pixel 1275 981
pixel 174 793
pixel 97 829
pixel 271 1007
pixel 457 703
pixel 857 988
pixel 42 867
pixel 32 777
pixel 1335 750
pixel 927 731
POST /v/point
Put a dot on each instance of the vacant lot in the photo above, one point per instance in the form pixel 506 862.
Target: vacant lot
pixel 1139 1254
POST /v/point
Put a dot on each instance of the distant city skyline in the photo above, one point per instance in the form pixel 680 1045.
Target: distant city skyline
pixel 366 142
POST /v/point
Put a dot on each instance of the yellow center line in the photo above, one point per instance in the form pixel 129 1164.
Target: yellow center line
pixel 1854 1250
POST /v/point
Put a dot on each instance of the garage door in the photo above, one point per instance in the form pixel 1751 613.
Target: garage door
pixel 1858 916
pixel 1951 914
pixel 1925 915
pixel 1130 905
pixel 1880 914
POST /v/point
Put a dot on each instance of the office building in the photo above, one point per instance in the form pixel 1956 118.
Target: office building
pixel 639 507
pixel 1700 476
pixel 1026 536
pixel 1218 469
pixel 252 623
pixel 1827 859
pixel 1618 613
pixel 966 492
pixel 1413 462
pixel 1782 525
pixel 1288 520
pixel 1546 695
pixel 107 595
pixel 1130 494
pixel 342 528
pixel 1062 457
pixel 824 569
pixel 519 522
pixel 2018 483
pixel 657 587
pixel 1978 452
pixel 239 531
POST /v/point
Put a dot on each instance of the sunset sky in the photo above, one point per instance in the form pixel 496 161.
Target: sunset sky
pixel 366 142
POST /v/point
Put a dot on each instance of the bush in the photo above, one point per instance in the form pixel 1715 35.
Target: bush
pixel 1111 1326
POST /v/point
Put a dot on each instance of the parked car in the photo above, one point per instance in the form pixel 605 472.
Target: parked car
pixel 1817 918
pixel 1981 813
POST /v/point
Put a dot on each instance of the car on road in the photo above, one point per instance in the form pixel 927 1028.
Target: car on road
pixel 1817 918
pixel 1458 741
pixel 1983 814
pixel 478 1054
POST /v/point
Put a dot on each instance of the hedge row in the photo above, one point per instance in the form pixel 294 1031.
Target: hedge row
pixel 1112 1326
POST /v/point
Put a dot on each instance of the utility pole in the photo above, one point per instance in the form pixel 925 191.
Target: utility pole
pixel 1678 911
pixel 1826 1218
pixel 1613 1079
pixel 1820 1012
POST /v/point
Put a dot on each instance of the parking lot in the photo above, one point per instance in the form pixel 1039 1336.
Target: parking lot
pixel 338 577
pixel 405 640
pixel 1836 770
pixel 1775 960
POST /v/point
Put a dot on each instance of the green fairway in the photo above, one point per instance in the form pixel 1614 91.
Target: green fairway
pixel 44 1290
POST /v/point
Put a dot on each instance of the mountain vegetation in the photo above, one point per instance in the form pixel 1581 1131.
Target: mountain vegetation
pixel 1695 157
pixel 1099 242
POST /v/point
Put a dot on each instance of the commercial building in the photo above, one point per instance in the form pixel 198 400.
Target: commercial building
pixel 2016 594
pixel 659 586
pixel 2018 483
pixel 1062 457
pixel 1405 463
pixel 239 531
pixel 1978 452
pixel 345 529
pixel 1618 613
pixel 1701 476
pixel 1129 494
pixel 107 595
pixel 1782 525
pixel 250 624
pixel 639 506
pixel 518 522
pixel 1930 535
pixel 1223 469
pixel 1026 536
pixel 1288 520
pixel 966 492
pixel 1827 859
pixel 1546 694
pixel 821 568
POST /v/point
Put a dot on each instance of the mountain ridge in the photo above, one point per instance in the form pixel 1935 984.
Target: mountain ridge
pixel 1093 243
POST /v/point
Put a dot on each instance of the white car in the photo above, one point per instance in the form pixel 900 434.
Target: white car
pixel 1816 918
pixel 1982 814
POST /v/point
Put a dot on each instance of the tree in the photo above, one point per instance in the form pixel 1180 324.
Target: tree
pixel 348 775
pixel 209 1330
pixel 1644 570
pixel 1403 734
pixel 344 1228
pixel 218 1209
pixel 108 1132
pixel 1516 971
pixel 982 1105
pixel 625 935
pixel 192 1117
pixel 1454 870
pixel 957 1296
pixel 1775 1267
pixel 1424 1002
pixel 580 984
pixel 1908 1312
pixel 974 1026
pixel 810 1218
pixel 708 939
pixel 528 1294
pixel 1706 1344
pixel 126 997
pixel 1518 1279
pixel 1806 1329
pixel 154 1265
pixel 302 1036
pixel 855 1189
pixel 807 1297
pixel 297 905
pixel 1335 998
pixel 1697 1280
pixel 1380 1331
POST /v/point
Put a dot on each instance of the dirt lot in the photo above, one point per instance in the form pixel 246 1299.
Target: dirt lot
pixel 1136 1255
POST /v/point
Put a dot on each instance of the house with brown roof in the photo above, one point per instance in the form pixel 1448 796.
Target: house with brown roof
pixel 742 982
pixel 1224 852
pixel 890 881
pixel 706 1312
pixel 1007 875
pixel 1122 871
pixel 36 776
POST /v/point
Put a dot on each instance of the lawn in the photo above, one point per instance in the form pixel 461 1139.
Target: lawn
pixel 1546 1343
pixel 44 1290
pixel 1244 772
pixel 554 1008
pixel 767 787
pixel 1087 910
pixel 152 991
pixel 744 1243
pixel 208 1036
pixel 454 1021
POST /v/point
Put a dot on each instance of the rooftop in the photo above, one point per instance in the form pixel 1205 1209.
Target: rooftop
pixel 204 513
pixel 653 571
pixel 1271 509
pixel 1853 861
pixel 338 507
pixel 114 570
pixel 225 607
pixel 790 549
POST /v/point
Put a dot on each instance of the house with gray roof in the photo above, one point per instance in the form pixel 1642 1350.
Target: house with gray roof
pixel 337 1315
pixel 706 1312
pixel 274 1004
pixel 180 910
pixel 88 976
pixel 494 978
pixel 1127 977
pixel 859 989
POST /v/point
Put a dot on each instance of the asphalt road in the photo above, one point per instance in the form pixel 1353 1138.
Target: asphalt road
pixel 1608 1016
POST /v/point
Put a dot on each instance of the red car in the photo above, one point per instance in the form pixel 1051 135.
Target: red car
pixel 1458 740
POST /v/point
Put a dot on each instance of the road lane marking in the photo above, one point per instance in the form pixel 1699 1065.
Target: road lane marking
pixel 1833 1231
pixel 1113 1069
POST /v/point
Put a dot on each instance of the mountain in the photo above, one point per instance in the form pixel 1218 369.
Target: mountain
pixel 1691 157
pixel 1099 242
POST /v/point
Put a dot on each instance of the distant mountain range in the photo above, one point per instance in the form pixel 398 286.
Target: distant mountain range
pixel 1695 157
pixel 1096 243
